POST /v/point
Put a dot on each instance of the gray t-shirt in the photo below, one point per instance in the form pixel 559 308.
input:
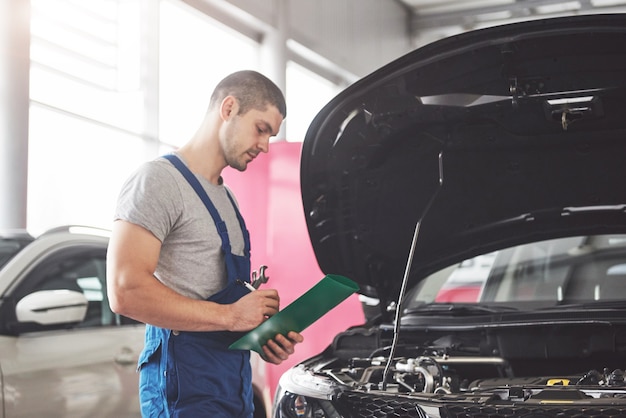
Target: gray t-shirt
pixel 158 198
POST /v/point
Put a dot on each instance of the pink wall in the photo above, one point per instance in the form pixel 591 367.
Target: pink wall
pixel 268 193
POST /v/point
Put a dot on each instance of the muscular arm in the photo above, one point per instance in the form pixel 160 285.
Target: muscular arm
pixel 134 292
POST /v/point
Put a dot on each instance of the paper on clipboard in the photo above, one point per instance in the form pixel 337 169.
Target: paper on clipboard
pixel 302 312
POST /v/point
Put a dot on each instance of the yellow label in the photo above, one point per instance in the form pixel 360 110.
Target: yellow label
pixel 560 382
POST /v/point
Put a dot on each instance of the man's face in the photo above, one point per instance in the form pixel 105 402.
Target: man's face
pixel 247 135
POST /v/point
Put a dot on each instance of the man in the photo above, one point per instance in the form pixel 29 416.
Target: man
pixel 178 253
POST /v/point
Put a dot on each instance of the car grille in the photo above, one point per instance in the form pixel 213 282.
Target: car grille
pixel 368 405
pixel 534 412
pixel 351 404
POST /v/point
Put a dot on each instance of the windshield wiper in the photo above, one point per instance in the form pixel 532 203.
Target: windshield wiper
pixel 457 309
pixel 598 304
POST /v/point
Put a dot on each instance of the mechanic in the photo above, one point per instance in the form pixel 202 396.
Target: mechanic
pixel 179 250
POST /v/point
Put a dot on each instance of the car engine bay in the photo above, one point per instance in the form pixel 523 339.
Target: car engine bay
pixel 562 365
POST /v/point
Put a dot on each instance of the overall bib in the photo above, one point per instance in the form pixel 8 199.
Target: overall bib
pixel 194 374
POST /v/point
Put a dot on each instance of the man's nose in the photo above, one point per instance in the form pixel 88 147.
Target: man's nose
pixel 264 144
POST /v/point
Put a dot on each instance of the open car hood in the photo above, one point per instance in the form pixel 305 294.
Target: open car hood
pixel 480 141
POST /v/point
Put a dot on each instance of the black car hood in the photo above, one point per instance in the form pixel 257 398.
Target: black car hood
pixel 480 141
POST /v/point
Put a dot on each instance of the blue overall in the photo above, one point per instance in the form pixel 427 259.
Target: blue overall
pixel 194 374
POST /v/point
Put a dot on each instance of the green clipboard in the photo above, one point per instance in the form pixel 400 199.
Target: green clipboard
pixel 302 312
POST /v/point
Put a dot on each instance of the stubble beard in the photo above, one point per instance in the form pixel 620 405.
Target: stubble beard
pixel 232 157
pixel 237 162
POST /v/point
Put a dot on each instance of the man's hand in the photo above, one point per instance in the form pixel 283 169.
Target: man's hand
pixel 254 308
pixel 280 348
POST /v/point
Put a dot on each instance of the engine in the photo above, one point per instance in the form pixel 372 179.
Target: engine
pixel 445 375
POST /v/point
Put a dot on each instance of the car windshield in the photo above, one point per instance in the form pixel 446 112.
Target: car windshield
pixel 9 246
pixel 563 271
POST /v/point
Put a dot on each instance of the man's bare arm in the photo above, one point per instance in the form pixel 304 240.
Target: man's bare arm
pixel 134 292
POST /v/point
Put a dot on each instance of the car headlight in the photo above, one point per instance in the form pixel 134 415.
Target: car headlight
pixel 291 405
pixel 302 394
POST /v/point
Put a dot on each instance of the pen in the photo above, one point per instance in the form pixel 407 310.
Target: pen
pixel 247 285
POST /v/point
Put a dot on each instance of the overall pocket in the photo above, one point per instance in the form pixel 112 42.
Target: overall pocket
pixel 150 378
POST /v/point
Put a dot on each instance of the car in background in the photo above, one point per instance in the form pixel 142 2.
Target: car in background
pixel 11 243
pixel 63 352
pixel 494 158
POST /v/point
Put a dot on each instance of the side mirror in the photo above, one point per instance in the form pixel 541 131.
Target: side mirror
pixel 50 307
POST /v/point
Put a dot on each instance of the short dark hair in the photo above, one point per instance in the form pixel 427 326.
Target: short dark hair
pixel 252 90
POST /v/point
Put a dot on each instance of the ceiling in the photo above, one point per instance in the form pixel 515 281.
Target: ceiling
pixel 433 19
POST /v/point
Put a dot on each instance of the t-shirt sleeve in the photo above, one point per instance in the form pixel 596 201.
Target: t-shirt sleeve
pixel 150 198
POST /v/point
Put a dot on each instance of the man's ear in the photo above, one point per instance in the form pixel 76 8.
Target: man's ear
pixel 229 107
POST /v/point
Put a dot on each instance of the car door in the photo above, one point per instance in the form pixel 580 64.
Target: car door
pixel 84 368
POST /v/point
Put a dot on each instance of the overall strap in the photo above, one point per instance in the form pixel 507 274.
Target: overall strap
pixel 219 223
pixel 242 224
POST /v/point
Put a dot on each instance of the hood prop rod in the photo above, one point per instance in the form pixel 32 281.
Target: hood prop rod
pixel 405 279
